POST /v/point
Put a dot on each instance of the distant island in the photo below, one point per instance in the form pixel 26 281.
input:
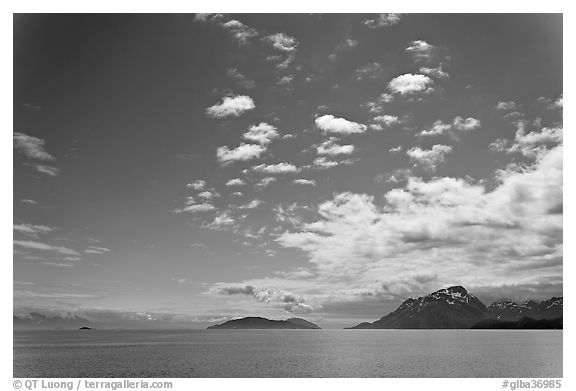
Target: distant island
pixel 263 323
pixel 456 308
pixel 85 328
pixel 35 320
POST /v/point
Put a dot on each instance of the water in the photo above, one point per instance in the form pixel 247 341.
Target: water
pixel 288 353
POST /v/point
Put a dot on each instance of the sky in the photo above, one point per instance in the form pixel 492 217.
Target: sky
pixel 180 170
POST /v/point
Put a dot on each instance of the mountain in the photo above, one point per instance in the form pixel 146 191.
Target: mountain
pixel 35 320
pixel 449 308
pixel 506 309
pixel 524 323
pixel 263 323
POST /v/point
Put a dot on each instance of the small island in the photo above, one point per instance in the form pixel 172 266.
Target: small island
pixel 263 323
pixel 85 328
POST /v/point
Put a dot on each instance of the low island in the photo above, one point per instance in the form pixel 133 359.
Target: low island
pixel 263 323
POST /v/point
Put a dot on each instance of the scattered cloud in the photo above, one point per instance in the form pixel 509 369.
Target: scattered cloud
pixel 33 245
pixel 330 124
pixel 372 71
pixel 505 106
pixel 437 72
pixel 264 182
pixel 31 147
pixel 262 133
pixel 45 169
pixel 240 31
pixel 243 152
pixel 383 20
pixel 282 42
pixel 196 208
pixel 235 74
pixel 305 182
pixel 422 50
pixel 31 229
pixel 235 182
pixel 197 185
pixel 331 148
pixel 429 158
pixel 279 168
pixel 408 83
pixel 231 106
pixel 458 125
pixel 288 301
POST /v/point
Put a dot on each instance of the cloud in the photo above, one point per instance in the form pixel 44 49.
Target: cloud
pixel 330 124
pixel 262 133
pixel 482 237
pixel 196 208
pixel 305 182
pixel 322 163
pixel 429 158
pixel 458 124
pixel 437 72
pixel 422 50
pixel 32 245
pixel 383 20
pixel 395 149
pixel 197 185
pixel 372 70
pixel 96 250
pixel 466 124
pixel 534 144
pixel 378 105
pixel 387 120
pixel 504 106
pixel 279 168
pixel 31 147
pixel 240 78
pixel 409 84
pixel 282 42
pixel 264 182
pixel 331 148
pixel 243 152
pixel 235 182
pixel 31 229
pixel 240 31
pixel 45 169
pixel 288 301
pixel 231 106
pixel 251 205
pixel 222 221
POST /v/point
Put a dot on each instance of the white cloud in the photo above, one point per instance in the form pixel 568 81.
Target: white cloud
pixel 330 147
pixel 231 106
pixel 240 31
pixel 279 168
pixel 197 185
pixel 305 182
pixel 422 50
pixel 534 144
pixel 264 182
pixel 235 182
pixel 395 149
pixel 282 42
pixel 510 105
pixel 207 195
pixel 96 250
pixel 262 133
pixel 288 301
pixel 241 153
pixel 458 124
pixel 409 84
pixel 466 124
pixel 251 205
pixel 31 229
pixel 429 158
pixel 383 20
pixel 32 245
pixel 322 163
pixel 222 221
pixel 205 207
pixel 437 72
pixel 45 169
pixel 461 232
pixel 372 70
pixel 30 146
pixel 330 124
pixel 387 120
pixel 235 74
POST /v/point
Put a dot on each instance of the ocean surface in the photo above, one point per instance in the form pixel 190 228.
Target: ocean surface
pixel 288 353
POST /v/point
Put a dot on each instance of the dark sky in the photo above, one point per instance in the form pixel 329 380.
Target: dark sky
pixel 201 167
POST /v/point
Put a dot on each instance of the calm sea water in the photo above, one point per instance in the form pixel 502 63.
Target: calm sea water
pixel 288 353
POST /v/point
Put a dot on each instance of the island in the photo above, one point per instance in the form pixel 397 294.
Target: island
pixel 263 323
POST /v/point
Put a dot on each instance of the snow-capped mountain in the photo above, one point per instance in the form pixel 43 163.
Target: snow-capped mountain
pixel 447 308
pixel 506 309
